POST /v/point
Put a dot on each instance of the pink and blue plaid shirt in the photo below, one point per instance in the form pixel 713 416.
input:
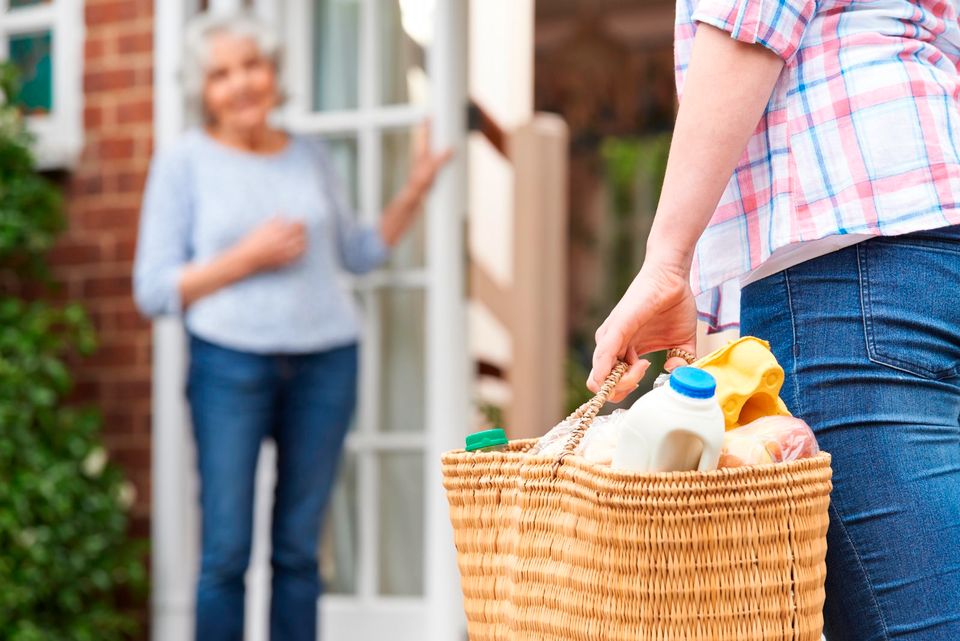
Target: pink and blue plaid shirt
pixel 860 135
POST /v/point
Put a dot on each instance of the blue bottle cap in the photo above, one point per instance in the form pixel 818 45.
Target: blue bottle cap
pixel 693 382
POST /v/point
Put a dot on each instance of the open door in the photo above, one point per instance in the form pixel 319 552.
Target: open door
pixel 360 75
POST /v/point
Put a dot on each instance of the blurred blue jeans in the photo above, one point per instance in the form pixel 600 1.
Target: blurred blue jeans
pixel 237 399
pixel 869 337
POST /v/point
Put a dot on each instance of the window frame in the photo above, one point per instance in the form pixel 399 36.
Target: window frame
pixel 58 134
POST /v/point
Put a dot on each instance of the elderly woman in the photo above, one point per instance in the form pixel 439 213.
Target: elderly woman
pixel 244 230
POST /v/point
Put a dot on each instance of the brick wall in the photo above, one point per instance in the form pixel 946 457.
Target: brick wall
pixel 94 258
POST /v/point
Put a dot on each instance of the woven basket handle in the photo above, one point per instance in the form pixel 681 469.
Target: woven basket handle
pixel 586 413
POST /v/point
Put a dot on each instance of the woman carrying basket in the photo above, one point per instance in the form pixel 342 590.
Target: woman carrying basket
pixel 838 240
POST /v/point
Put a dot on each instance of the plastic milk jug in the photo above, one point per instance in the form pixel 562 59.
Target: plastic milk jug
pixel 678 426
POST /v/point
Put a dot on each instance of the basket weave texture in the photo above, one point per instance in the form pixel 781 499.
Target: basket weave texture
pixel 562 549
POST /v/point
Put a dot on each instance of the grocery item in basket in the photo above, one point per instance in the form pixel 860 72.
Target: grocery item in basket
pixel 596 446
pixel 552 442
pixel 675 427
pixel 661 380
pixel 748 380
pixel 494 440
pixel 771 439
pixel 600 441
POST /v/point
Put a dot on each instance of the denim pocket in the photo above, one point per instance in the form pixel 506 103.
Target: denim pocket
pixel 911 315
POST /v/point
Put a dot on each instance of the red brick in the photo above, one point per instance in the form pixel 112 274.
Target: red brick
pixel 103 12
pixel 115 405
pixel 124 250
pixel 85 389
pixel 88 185
pixel 116 148
pixel 108 217
pixel 94 47
pixel 92 117
pixel 135 42
pixel 139 528
pixel 108 80
pixel 129 319
pixel 132 458
pixel 103 199
pixel 119 423
pixel 131 181
pixel 68 252
pixel 122 354
pixel 144 422
pixel 145 74
pixel 137 111
pixel 107 286
pixel 132 389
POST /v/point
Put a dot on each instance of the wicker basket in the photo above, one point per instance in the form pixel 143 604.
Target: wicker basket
pixel 561 549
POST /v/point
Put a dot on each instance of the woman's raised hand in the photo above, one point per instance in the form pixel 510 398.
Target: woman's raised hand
pixel 426 163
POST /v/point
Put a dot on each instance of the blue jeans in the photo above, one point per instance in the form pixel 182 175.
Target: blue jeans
pixel 869 337
pixel 237 399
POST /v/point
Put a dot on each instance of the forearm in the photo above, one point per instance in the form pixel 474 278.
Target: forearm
pixel 400 214
pixel 728 85
pixel 199 280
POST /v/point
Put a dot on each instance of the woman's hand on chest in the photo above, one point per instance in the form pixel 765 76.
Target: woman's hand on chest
pixel 276 243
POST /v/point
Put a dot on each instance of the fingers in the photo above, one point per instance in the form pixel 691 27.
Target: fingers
pixel 297 240
pixel 604 358
pixel 433 165
pixel 674 363
pixel 443 157
pixel 422 137
pixel 631 378
pixel 285 240
pixel 297 230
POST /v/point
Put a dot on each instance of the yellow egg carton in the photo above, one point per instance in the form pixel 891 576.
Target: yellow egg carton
pixel 748 380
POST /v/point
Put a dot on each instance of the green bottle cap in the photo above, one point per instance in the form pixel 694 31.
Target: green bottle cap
pixel 486 438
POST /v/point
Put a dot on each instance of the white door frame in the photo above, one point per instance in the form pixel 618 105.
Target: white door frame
pixel 174 524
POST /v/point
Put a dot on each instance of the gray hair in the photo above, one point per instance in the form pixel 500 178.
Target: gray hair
pixel 200 29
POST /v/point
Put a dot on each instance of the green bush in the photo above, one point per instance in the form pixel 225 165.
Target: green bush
pixel 65 556
pixel 31 215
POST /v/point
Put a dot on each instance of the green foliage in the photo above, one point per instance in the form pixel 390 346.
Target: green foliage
pixel 633 170
pixel 31 212
pixel 575 384
pixel 64 551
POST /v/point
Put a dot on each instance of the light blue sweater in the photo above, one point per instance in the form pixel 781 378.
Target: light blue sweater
pixel 203 197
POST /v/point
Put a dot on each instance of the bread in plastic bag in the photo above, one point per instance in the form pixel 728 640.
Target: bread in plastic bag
pixel 552 442
pixel 596 446
pixel 770 439
pixel 601 439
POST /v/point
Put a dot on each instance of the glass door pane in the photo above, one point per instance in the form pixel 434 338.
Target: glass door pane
pixel 338 547
pixel 405 30
pixel 401 524
pixel 402 365
pixel 411 250
pixel 336 54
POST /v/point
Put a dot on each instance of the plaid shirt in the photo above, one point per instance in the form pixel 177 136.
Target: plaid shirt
pixel 859 137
